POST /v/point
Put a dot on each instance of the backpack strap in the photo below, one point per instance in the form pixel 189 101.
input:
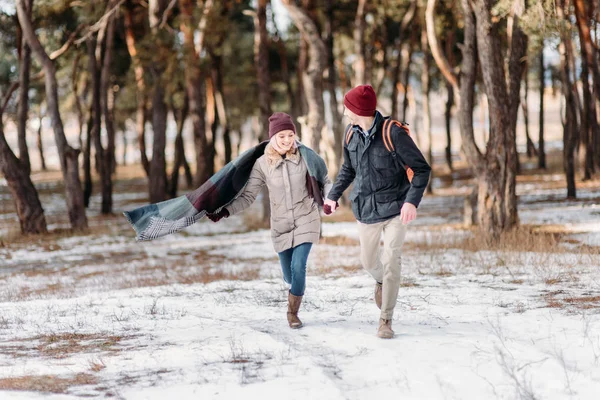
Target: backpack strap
pixel 348 135
pixel 389 144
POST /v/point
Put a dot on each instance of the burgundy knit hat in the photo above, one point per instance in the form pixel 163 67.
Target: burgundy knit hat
pixel 280 121
pixel 361 100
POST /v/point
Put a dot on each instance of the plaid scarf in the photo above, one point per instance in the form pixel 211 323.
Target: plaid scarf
pixel 156 220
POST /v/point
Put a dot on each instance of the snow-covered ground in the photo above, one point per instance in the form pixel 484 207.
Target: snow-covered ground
pixel 202 314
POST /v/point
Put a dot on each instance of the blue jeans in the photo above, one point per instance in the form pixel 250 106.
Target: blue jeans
pixel 293 265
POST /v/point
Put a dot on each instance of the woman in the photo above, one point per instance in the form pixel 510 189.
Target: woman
pixel 285 168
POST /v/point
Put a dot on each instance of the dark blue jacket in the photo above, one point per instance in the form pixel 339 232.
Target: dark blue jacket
pixel 381 185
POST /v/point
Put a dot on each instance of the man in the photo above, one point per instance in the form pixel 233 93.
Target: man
pixel 383 198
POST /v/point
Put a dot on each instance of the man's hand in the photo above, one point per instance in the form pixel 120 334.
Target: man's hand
pixel 330 206
pixel 408 213
pixel 216 217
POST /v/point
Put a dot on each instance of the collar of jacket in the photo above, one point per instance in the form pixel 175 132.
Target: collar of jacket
pixel 374 127
pixel 274 159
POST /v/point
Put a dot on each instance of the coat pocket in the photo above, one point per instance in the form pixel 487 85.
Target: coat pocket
pixel 386 204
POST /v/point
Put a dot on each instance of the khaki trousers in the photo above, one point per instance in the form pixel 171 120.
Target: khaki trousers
pixel 385 264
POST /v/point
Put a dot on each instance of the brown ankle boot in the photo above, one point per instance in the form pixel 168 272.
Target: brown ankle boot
pixel 378 294
pixel 385 329
pixel 292 313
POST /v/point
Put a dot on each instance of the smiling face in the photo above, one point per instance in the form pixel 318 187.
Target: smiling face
pixel 285 139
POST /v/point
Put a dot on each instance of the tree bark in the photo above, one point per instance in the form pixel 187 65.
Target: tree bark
pixel 67 155
pixel 87 154
pixel 517 42
pixel 531 150
pixel 497 192
pixel 27 202
pixel 406 78
pixel 221 108
pixel 359 44
pixel 313 75
pixel 589 121
pixel 569 129
pixel 426 88
pixel 331 83
pixel 195 85
pixel 542 83
pixel 40 146
pixel 141 96
pixel 23 104
pixel 158 167
pixel 261 61
pixel 589 56
pixel 285 70
pixel 180 161
pixel 402 55
pixel 106 100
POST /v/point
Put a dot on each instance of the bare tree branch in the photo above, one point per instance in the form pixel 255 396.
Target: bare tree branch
pixel 7 97
pixel 167 14
pixel 57 53
pixel 436 52
pixel 98 25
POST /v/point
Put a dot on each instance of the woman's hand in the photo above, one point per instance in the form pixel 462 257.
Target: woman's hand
pixel 330 206
pixel 216 217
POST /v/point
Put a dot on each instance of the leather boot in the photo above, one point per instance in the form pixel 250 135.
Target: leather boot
pixel 292 313
pixel 385 329
pixel 378 294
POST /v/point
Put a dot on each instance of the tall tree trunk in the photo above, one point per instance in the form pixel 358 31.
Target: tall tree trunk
pixel 313 75
pixel 497 205
pixel 426 88
pixel 285 70
pixel 517 64
pixel 359 44
pixel 87 155
pixel 464 91
pixel 195 85
pixel 141 96
pixel 29 208
pixel 406 77
pixel 589 121
pixel 158 165
pixel 180 117
pixel 261 61
pixel 96 132
pixel 23 105
pixel 381 55
pixel 542 83
pixel 589 55
pixel 569 129
pixel 67 155
pixel 40 145
pixel 77 99
pixel 337 126
pixel 217 78
pixel 450 42
pixel 402 55
pixel 531 151
pixel 107 101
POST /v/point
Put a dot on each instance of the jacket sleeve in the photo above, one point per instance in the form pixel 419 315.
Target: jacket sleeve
pixel 411 156
pixel 344 178
pixel 256 182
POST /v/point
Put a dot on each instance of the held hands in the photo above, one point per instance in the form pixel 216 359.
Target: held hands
pixel 408 213
pixel 330 206
pixel 216 217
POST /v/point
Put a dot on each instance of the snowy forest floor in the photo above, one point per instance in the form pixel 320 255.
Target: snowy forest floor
pixel 202 314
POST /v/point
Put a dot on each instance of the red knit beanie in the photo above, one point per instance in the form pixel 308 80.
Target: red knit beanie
pixel 361 100
pixel 280 121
